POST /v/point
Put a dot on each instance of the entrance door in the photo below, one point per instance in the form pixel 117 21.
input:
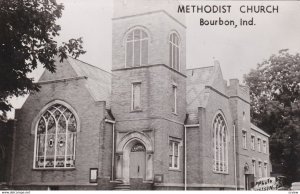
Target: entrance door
pixel 138 161
pixel 249 181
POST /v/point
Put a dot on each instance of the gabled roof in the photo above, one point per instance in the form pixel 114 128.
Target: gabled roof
pixel 197 79
pixel 197 95
pixel 200 82
pixel 255 128
pixel 98 81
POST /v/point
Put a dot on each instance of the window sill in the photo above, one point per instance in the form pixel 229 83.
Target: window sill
pixel 175 169
pixel 224 173
pixel 137 110
pixel 53 169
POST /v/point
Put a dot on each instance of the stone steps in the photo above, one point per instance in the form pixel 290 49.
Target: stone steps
pixel 122 187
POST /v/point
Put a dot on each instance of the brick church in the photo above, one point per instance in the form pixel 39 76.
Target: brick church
pixel 149 124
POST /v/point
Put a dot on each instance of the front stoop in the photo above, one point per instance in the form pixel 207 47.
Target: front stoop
pixel 122 187
pixel 140 184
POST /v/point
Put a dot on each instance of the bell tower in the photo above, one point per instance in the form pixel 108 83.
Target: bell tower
pixel 149 86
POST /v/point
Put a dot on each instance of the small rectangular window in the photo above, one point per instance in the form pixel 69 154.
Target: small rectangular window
pixel 252 142
pixel 258 144
pixel 265 146
pixel 136 96
pixel 254 168
pixel 244 139
pixel 174 99
pixel 259 169
pixel 265 169
pixel 174 154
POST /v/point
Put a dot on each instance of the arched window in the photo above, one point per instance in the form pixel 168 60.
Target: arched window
pixel 174 51
pixel 56 138
pixel 136 48
pixel 220 141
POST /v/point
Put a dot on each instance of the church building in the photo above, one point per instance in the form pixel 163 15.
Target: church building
pixel 150 123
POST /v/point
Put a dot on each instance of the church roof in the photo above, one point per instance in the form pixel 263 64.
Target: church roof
pixel 200 83
pixel 196 95
pixel 255 128
pixel 98 80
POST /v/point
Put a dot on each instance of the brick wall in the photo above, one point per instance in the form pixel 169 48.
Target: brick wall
pixel 240 108
pixel 90 113
pixel 158 26
pixel 6 139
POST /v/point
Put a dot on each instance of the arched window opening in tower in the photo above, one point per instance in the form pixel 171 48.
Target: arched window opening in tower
pixel 174 51
pixel 136 48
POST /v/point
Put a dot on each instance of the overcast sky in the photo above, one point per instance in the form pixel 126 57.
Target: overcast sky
pixel 237 49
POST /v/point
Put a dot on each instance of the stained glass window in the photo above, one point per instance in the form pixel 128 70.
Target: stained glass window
pixel 220 142
pixel 138 147
pixel 56 138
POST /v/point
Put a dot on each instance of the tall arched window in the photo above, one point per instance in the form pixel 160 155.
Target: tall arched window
pixel 136 48
pixel 220 140
pixel 174 51
pixel 56 138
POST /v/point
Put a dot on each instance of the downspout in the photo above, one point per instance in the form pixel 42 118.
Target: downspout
pixel 234 156
pixel 185 173
pixel 185 154
pixel 113 147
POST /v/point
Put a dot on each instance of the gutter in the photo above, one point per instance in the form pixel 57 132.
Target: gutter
pixel 234 157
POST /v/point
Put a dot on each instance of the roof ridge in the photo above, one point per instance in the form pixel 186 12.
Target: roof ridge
pixel 91 65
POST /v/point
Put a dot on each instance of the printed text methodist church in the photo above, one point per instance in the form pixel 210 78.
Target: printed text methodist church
pixel 150 124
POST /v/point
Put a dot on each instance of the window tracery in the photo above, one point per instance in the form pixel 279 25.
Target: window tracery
pixel 220 145
pixel 56 138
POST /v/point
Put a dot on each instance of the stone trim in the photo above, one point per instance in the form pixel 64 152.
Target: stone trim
pixel 240 99
pixel 62 80
pixel 217 91
pixel 148 66
pixel 150 118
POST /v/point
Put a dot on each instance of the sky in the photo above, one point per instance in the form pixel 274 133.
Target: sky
pixel 237 49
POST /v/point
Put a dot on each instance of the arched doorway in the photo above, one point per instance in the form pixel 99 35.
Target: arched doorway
pixel 134 157
pixel 137 164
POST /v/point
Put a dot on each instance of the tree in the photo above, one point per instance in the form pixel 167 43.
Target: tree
pixel 275 107
pixel 27 37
